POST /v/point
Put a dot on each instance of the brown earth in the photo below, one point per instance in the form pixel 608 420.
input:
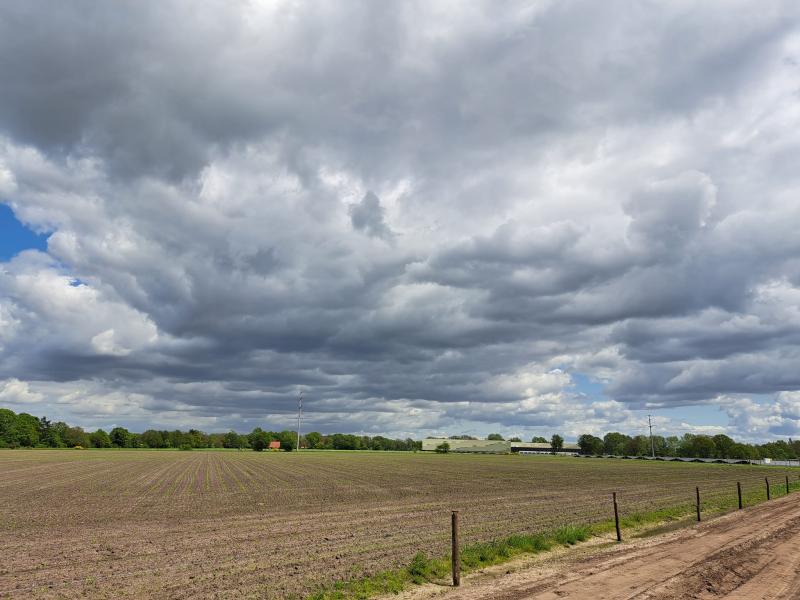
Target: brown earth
pixel 749 555
pixel 227 524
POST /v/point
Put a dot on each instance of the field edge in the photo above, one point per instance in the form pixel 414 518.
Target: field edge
pixel 423 570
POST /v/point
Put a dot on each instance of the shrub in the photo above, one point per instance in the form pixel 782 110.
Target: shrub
pixel 443 448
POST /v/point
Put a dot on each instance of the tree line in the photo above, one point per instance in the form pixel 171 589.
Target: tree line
pixel 689 446
pixel 27 431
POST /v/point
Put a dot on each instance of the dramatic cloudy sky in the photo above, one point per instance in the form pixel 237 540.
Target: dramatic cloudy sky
pixel 432 217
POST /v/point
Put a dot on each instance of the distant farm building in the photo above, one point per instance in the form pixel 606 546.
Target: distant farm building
pixel 543 448
pixel 497 446
pixel 276 445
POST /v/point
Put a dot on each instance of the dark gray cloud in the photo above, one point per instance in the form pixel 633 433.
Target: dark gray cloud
pixel 430 218
pixel 367 216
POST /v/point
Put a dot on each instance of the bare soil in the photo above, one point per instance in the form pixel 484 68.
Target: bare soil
pixel 170 524
pixel 752 554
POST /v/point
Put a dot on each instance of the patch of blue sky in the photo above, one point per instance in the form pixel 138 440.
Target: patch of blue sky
pixel 16 237
pixel 587 386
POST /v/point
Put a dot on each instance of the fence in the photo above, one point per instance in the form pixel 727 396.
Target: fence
pixel 784 485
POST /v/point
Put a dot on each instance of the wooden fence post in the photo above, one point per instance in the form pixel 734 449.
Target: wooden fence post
pixel 787 484
pixel 697 491
pixel 455 560
pixel 739 491
pixel 766 480
pixel 616 517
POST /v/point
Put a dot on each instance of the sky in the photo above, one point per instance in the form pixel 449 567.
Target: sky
pixel 429 217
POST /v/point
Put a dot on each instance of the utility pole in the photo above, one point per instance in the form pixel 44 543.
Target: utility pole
pixel 299 416
pixel 652 445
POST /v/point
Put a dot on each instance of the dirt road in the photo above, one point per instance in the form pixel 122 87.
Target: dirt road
pixel 746 555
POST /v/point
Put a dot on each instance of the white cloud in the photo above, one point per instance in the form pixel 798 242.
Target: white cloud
pixel 426 215
pixel 17 393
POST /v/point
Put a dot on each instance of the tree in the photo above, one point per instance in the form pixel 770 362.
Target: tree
pixel 673 444
pixel 515 439
pixel 742 452
pixel 26 430
pixel 75 436
pixel 724 445
pixel 778 450
pixel 175 439
pixel 259 440
pixel 216 440
pixel 259 443
pixel 590 444
pixel 443 448
pixel 661 445
pixel 537 439
pixel 614 443
pixel 7 422
pixel 344 441
pixel 637 446
pixel 556 442
pixel 50 433
pixel 288 439
pixel 197 439
pixel 495 437
pixel 153 439
pixel 120 437
pixel 231 440
pixel 100 439
pixel 313 439
pixel 697 446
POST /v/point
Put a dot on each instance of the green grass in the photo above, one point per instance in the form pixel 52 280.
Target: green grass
pixel 388 582
pixel 424 569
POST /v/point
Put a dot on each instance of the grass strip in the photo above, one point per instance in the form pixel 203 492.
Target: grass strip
pixel 423 569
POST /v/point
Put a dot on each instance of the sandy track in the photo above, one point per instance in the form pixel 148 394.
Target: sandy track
pixel 749 555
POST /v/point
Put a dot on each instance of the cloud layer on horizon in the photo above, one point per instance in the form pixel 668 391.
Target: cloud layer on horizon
pixel 433 219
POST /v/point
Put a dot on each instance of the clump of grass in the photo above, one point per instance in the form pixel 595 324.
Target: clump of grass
pixel 529 543
pixel 422 569
pixel 387 582
pixel 569 535
pixel 479 555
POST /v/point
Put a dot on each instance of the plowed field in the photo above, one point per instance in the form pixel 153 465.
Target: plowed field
pixel 226 524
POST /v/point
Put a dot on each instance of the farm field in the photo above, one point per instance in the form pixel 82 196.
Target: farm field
pixel 227 524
